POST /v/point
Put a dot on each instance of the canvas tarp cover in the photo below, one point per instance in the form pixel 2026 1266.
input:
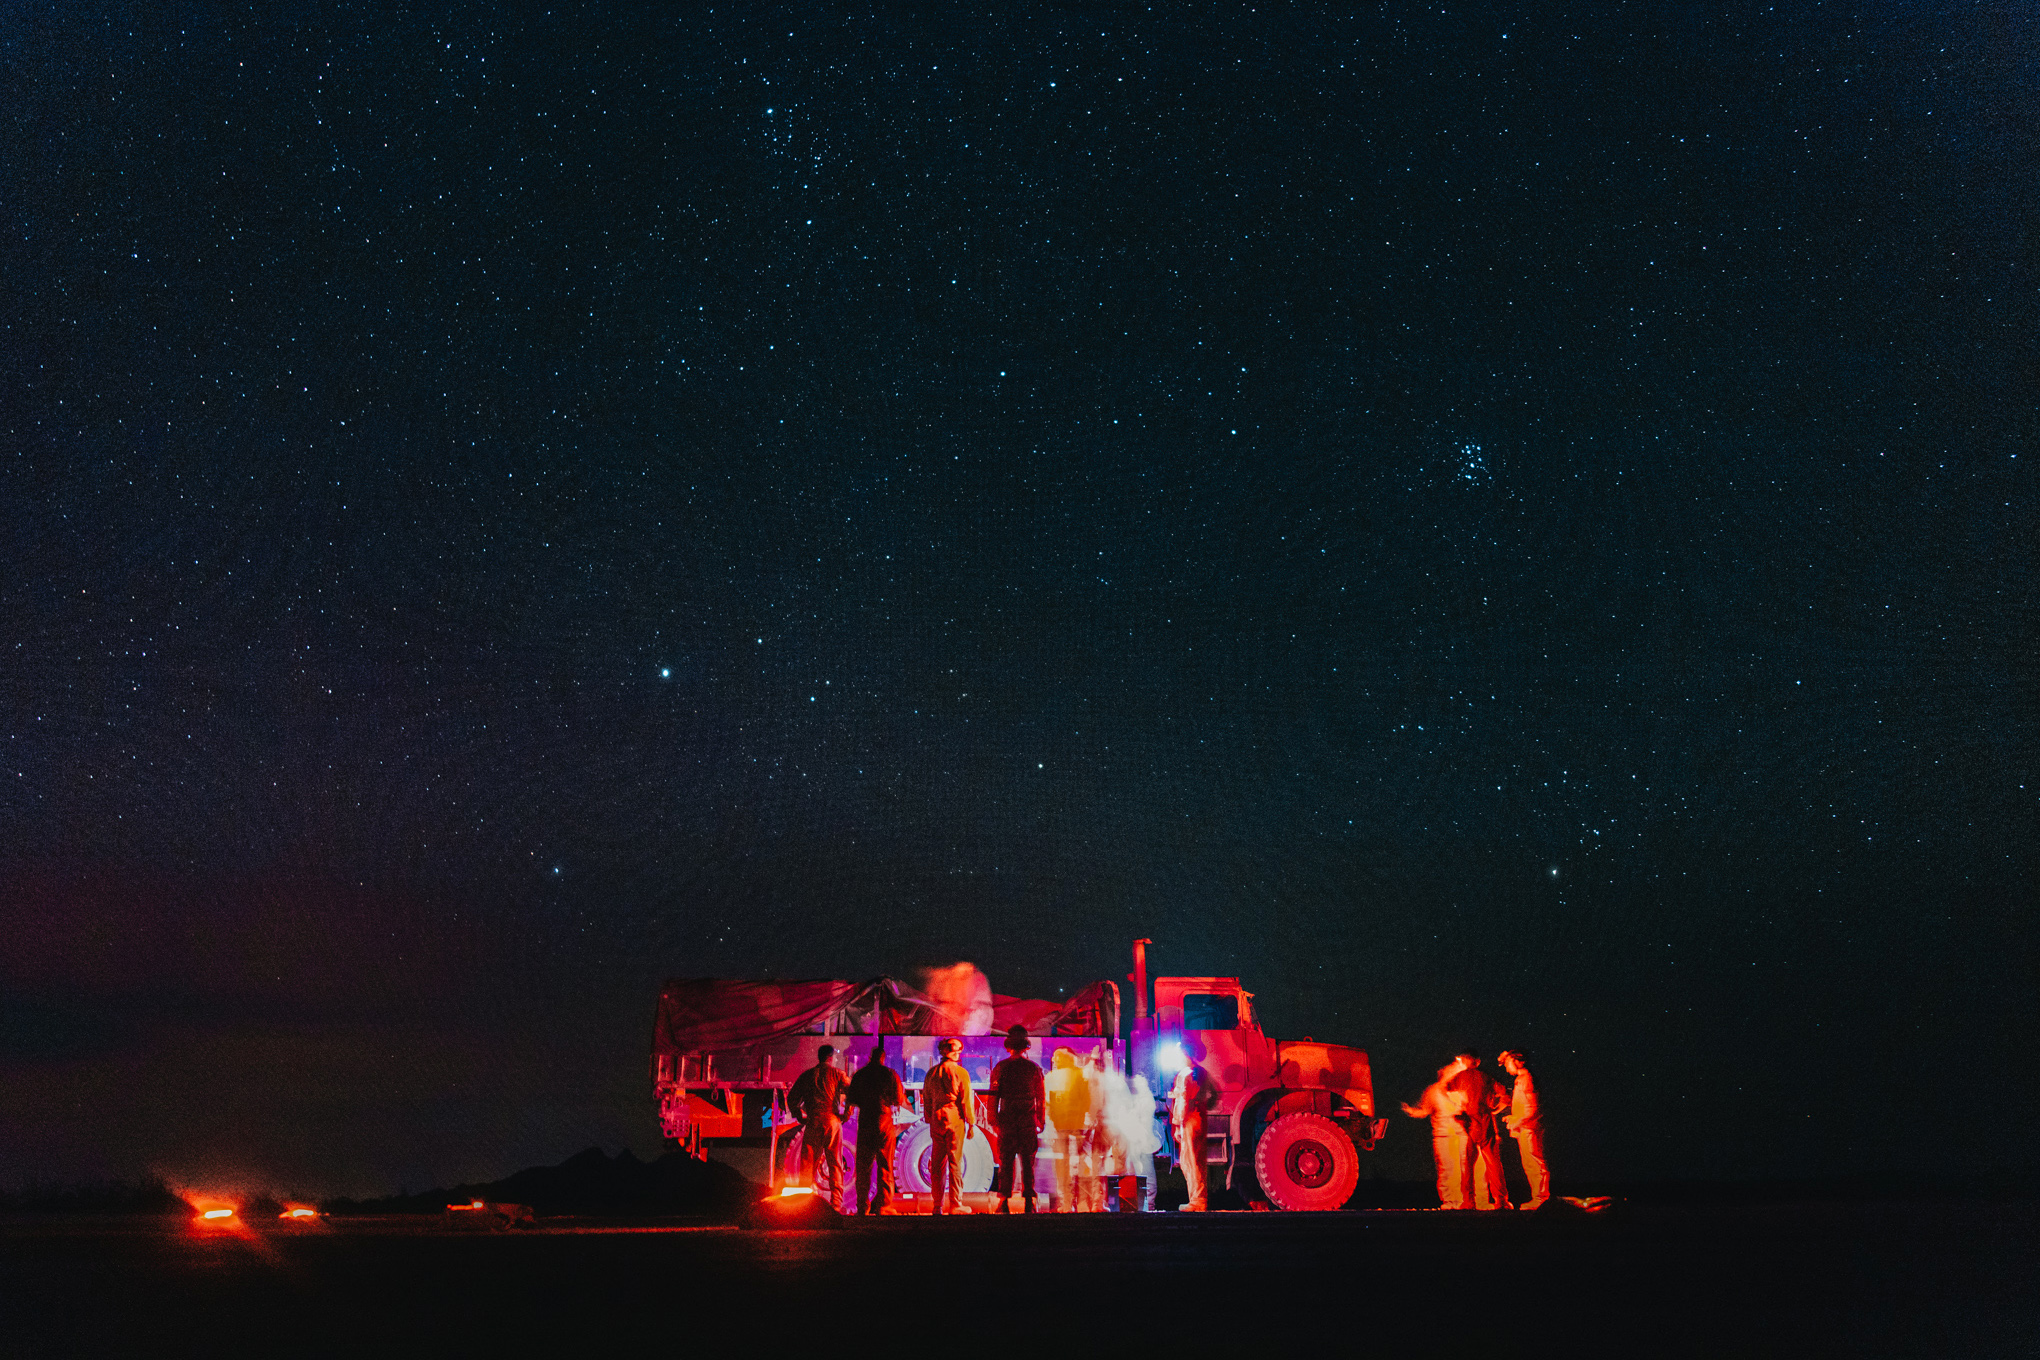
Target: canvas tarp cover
pixel 702 1015
pixel 705 1015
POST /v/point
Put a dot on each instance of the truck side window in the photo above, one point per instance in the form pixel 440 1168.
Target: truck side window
pixel 1205 1010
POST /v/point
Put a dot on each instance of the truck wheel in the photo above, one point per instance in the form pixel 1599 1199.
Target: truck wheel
pixel 915 1149
pixel 1305 1162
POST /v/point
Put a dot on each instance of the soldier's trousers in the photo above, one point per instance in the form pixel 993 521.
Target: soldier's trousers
pixel 1449 1151
pixel 1483 1160
pixel 1530 1143
pixel 821 1155
pixel 1190 1152
pixel 1066 1148
pixel 873 1186
pixel 945 1160
pixel 1017 1145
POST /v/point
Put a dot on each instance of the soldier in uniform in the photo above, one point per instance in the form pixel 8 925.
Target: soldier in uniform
pixel 875 1092
pixel 951 1111
pixel 1189 1101
pixel 1480 1096
pixel 1448 1135
pixel 1526 1125
pixel 816 1099
pixel 1020 1105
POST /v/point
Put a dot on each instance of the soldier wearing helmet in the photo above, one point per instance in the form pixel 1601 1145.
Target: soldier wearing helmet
pixel 1020 1105
pixel 951 1111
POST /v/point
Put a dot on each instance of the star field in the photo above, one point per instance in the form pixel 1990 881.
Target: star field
pixel 1493 525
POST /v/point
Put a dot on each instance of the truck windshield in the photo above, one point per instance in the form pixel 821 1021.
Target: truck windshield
pixel 1205 1010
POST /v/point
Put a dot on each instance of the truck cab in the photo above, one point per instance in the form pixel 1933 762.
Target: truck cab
pixel 1291 1116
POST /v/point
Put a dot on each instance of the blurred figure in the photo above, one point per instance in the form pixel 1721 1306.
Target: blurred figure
pixel 1190 1100
pixel 1480 1097
pixel 951 1111
pixel 1448 1135
pixel 1020 1107
pixel 816 1099
pixel 1526 1126
pixel 1097 1138
pixel 963 995
pixel 875 1092
pixel 1069 1109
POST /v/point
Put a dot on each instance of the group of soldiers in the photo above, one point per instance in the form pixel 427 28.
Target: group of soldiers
pixel 1025 1105
pixel 1464 1106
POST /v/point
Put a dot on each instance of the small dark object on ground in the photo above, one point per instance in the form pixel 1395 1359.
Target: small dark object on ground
pixel 804 1212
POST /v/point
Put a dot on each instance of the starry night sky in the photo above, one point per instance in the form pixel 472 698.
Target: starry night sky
pixel 1509 525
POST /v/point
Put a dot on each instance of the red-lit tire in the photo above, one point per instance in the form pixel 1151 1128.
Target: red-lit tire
pixel 1306 1162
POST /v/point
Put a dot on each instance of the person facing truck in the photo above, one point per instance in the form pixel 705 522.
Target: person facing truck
pixel 1020 1105
pixel 951 1111
pixel 816 1099
pixel 875 1092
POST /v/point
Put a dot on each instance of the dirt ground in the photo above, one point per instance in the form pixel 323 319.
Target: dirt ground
pixel 1915 1279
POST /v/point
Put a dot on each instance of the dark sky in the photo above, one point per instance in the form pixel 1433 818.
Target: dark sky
pixel 1509 525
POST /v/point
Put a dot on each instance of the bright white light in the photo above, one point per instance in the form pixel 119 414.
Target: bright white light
pixel 1169 1057
pixel 665 672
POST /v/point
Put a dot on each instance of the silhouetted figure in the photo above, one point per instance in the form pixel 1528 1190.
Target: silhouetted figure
pixel 876 1091
pixel 1020 1106
pixel 816 1099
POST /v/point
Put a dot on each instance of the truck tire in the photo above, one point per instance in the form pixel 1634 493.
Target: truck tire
pixel 1306 1162
pixel 915 1148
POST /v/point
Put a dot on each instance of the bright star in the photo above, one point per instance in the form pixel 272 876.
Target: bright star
pixel 665 672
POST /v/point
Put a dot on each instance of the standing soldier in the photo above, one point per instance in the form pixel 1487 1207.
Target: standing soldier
pixel 1448 1135
pixel 1020 1105
pixel 1480 1097
pixel 1069 1107
pixel 1191 1099
pixel 951 1112
pixel 876 1091
pixel 1526 1125
pixel 816 1099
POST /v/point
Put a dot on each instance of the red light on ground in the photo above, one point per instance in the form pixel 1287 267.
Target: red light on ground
pixel 463 1208
pixel 796 1190
pixel 217 1213
pixel 299 1213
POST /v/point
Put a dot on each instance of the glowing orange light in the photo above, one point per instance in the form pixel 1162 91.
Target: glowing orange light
pixel 796 1190
pixel 458 1208
pixel 299 1213
pixel 217 1213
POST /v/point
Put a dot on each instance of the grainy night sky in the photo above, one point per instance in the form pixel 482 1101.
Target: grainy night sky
pixel 1509 525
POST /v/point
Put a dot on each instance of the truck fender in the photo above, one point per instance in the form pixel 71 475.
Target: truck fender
pixel 1255 1098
